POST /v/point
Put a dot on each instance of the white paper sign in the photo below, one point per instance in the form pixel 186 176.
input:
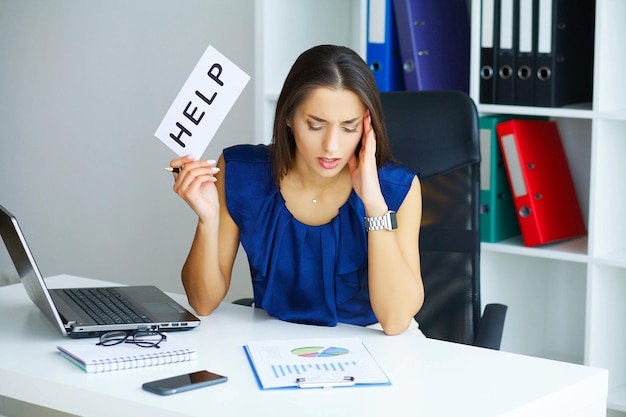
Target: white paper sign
pixel 202 104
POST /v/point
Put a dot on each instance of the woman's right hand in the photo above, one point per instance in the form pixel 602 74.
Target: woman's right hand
pixel 195 184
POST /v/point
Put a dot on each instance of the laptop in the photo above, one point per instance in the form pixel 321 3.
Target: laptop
pixel 90 312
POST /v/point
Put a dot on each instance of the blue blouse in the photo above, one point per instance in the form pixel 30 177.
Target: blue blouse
pixel 301 273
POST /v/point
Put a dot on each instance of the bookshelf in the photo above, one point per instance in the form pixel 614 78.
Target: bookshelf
pixel 567 301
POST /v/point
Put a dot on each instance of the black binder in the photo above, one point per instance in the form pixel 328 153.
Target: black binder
pixel 564 58
pixel 527 12
pixel 434 44
pixel 505 77
pixel 489 38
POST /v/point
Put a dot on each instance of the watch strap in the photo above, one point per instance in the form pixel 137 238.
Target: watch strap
pixel 384 222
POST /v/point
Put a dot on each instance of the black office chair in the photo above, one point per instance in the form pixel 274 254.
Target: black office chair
pixel 436 133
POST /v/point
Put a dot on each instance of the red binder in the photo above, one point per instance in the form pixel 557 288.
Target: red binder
pixel 545 198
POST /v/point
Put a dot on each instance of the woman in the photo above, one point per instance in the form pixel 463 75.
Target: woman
pixel 315 211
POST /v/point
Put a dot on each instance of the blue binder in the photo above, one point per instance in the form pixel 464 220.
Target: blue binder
pixel 383 50
pixel 434 39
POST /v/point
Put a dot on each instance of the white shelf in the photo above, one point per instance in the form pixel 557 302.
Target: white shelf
pixel 559 356
pixel 574 250
pixel 616 259
pixel 576 288
pixel 563 112
pixel 569 112
pixel 617 398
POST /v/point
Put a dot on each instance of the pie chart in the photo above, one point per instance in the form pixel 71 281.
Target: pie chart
pixel 319 351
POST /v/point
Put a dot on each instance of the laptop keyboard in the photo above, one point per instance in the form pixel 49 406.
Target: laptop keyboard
pixel 106 305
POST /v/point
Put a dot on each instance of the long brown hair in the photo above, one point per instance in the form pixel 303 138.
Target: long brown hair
pixel 329 66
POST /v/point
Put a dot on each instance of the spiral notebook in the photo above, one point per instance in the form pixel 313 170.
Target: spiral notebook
pixel 92 358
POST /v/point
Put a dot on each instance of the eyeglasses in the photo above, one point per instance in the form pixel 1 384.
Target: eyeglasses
pixel 146 339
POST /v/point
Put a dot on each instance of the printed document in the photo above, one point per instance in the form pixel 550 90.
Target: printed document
pixel 323 363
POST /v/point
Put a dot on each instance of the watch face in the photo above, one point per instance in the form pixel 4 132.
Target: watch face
pixel 393 220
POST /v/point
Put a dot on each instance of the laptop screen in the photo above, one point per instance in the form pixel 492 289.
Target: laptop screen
pixel 26 268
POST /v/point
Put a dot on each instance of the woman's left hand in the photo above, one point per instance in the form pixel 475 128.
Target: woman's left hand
pixel 364 172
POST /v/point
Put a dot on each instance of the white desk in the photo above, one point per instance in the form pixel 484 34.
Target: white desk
pixel 429 378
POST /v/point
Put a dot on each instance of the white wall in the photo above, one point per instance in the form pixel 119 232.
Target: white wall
pixel 83 87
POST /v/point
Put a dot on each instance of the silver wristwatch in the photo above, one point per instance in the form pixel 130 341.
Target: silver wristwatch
pixel 387 221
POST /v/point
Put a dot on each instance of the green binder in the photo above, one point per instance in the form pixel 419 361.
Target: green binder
pixel 498 217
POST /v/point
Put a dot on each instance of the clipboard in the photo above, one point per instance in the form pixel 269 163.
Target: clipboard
pixel 313 363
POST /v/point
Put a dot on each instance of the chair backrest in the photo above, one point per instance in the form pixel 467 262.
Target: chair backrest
pixel 436 133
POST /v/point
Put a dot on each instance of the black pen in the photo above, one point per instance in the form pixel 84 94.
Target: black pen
pixel 175 170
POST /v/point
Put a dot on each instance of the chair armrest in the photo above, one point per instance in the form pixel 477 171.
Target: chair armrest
pixel 491 326
pixel 244 302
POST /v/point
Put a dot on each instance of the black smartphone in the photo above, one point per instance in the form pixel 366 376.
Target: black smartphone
pixel 186 382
